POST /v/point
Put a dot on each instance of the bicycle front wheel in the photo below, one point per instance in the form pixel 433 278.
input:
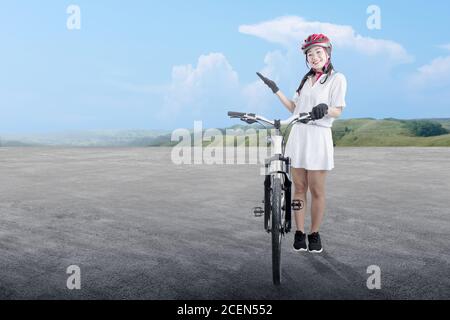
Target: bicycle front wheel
pixel 276 230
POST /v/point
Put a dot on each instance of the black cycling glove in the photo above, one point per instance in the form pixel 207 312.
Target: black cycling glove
pixel 319 111
pixel 271 84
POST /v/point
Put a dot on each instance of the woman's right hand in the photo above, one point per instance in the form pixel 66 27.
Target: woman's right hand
pixel 319 111
pixel 271 84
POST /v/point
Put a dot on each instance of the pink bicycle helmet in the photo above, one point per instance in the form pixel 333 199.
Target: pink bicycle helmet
pixel 317 40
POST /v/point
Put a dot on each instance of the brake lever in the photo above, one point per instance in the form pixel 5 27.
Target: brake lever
pixel 246 120
pixel 306 120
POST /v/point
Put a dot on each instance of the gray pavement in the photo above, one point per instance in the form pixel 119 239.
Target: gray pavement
pixel 140 227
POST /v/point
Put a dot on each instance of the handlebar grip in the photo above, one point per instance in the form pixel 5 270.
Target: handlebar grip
pixel 236 114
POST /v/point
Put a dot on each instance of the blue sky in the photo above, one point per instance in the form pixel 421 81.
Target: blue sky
pixel 164 64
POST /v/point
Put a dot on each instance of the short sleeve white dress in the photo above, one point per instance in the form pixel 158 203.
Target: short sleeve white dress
pixel 310 146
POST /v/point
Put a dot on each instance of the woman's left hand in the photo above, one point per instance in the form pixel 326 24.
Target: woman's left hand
pixel 319 111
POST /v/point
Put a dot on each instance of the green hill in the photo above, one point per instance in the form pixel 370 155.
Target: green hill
pixel 369 132
pixel 388 132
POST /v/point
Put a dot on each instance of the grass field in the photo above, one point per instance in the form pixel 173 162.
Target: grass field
pixel 383 133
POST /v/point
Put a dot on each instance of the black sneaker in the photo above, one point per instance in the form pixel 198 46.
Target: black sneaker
pixel 314 244
pixel 299 241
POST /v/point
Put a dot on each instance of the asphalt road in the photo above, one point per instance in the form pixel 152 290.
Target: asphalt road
pixel 141 227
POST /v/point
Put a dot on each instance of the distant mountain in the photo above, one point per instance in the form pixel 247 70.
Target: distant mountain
pixel 91 138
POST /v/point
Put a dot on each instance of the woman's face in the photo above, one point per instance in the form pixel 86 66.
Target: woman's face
pixel 317 57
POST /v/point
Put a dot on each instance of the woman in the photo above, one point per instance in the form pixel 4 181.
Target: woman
pixel 310 146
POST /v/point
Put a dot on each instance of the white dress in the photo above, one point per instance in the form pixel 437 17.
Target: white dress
pixel 310 146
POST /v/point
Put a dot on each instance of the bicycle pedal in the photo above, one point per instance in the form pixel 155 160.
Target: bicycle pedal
pixel 297 205
pixel 258 211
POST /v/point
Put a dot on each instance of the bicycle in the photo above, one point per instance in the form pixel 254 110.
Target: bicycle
pixel 277 184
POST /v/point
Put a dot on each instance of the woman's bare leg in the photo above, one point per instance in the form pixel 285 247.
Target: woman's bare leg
pixel 316 183
pixel 300 179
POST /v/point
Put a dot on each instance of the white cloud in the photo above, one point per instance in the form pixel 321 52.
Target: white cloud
pixel 281 67
pixel 290 31
pixel 434 74
pixel 209 86
pixel 426 90
pixel 212 87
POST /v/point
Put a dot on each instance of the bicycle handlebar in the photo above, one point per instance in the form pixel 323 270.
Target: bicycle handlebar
pixel 234 114
pixel 252 118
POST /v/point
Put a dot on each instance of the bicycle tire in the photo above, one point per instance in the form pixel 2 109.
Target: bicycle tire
pixel 276 230
pixel 267 202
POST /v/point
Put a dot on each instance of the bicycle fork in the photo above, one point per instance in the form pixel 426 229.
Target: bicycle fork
pixel 286 205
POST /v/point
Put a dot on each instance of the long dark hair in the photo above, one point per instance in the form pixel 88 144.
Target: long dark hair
pixel 311 72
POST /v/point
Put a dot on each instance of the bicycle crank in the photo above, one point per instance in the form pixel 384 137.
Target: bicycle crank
pixel 258 211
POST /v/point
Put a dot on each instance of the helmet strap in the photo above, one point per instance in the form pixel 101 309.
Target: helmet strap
pixel 318 74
